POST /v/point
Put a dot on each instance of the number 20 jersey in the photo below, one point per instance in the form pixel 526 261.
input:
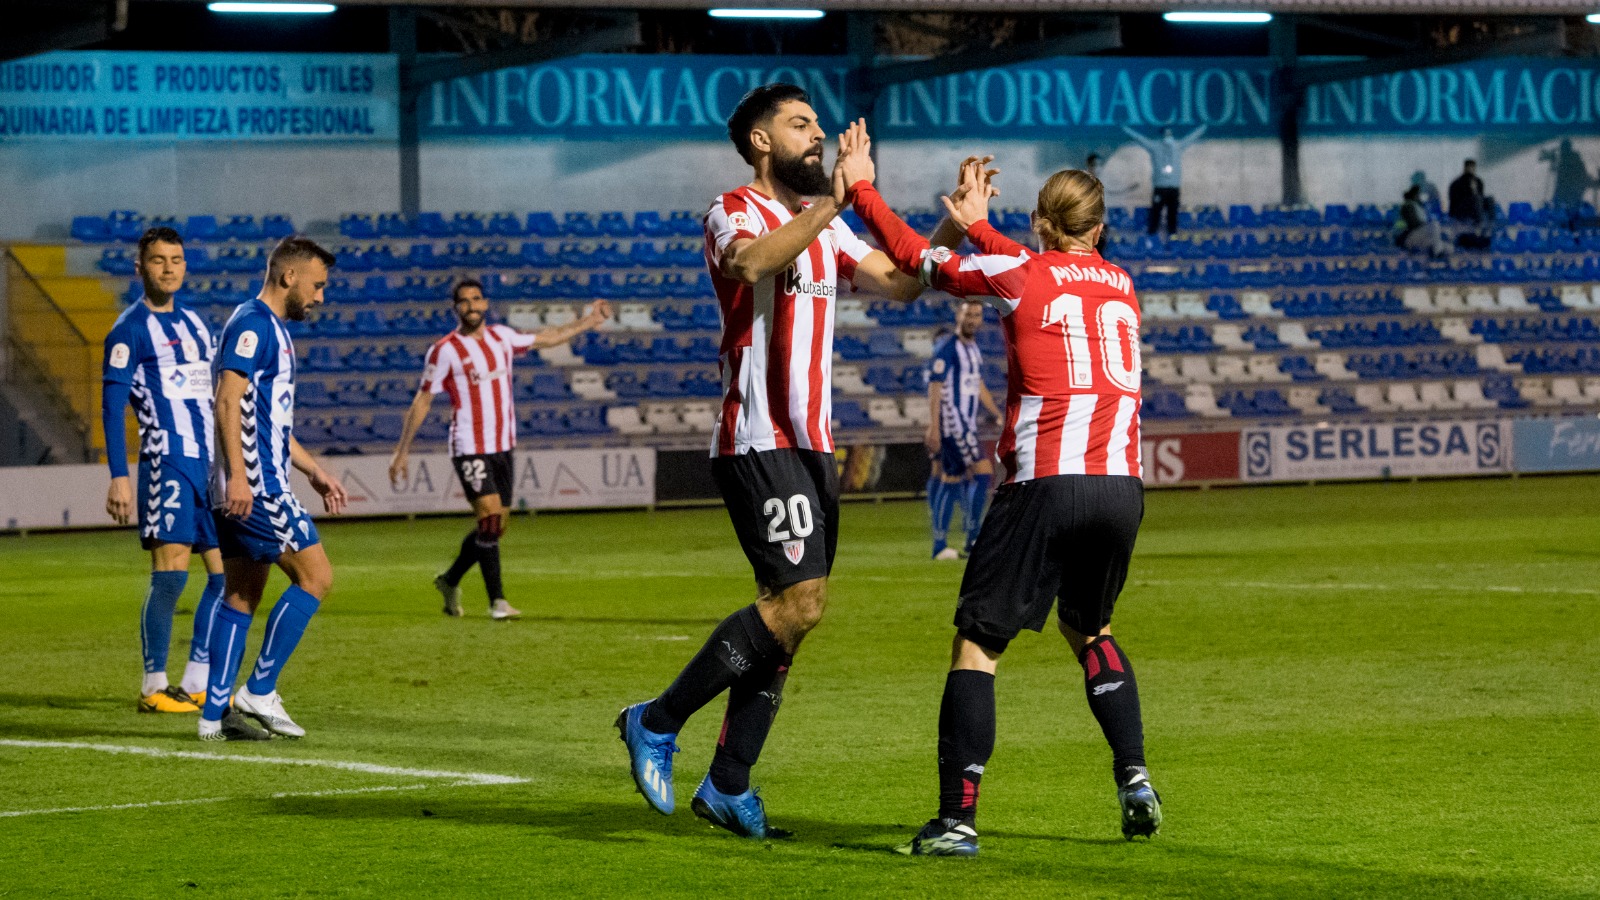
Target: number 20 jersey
pixel 1072 353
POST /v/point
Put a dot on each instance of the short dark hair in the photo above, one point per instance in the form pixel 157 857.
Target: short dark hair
pixel 159 233
pixel 1469 162
pixel 1092 157
pixel 463 284
pixel 296 248
pixel 757 106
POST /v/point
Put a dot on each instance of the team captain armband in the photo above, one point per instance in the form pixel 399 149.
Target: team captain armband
pixel 931 261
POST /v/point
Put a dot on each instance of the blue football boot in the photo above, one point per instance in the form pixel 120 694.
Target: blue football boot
pixel 743 814
pixel 1141 805
pixel 651 756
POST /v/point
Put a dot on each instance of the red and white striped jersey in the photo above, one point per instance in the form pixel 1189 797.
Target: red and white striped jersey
pixel 1071 322
pixel 777 335
pixel 476 373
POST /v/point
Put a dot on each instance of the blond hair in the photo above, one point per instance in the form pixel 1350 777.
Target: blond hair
pixel 1071 203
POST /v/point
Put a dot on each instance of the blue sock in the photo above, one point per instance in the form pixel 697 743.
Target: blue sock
pixel 155 619
pixel 944 508
pixel 287 623
pixel 977 498
pixel 229 629
pixel 204 615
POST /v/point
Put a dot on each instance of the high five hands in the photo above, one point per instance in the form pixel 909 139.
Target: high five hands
pixel 854 163
pixel 968 204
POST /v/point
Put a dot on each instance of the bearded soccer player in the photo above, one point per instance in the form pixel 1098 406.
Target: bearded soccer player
pixel 259 520
pixel 775 260
pixel 473 365
pixel 961 474
pixel 1063 525
pixel 159 355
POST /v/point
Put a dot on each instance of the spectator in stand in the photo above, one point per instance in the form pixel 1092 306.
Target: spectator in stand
pixel 1166 173
pixel 1467 201
pixel 1416 230
pixel 1572 179
pixel 1429 191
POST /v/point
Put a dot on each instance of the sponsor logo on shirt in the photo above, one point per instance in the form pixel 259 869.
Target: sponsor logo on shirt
pixel 246 345
pixel 119 356
pixel 740 221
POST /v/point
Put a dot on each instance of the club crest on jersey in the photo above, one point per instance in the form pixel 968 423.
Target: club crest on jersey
pixel 794 550
pixel 119 356
pixel 940 255
pixel 170 519
pixel 191 350
pixel 740 221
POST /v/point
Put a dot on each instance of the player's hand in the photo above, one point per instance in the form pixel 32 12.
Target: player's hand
pixel 239 500
pixel 334 497
pixel 854 162
pixel 980 163
pixel 599 311
pixel 930 439
pixel 399 470
pixel 119 500
pixel 972 206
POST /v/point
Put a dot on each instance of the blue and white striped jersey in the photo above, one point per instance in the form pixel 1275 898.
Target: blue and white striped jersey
pixel 256 344
pixel 165 359
pixel 958 365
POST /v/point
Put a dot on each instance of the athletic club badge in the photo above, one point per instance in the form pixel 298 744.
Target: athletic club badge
pixel 794 550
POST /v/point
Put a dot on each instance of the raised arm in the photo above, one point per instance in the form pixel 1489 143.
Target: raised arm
pixel 598 313
pixel 1193 136
pixel 1143 141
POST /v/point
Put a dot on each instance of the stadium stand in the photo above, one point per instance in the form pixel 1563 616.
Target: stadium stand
pixel 1249 315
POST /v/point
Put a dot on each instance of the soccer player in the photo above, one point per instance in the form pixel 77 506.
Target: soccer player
pixel 961 474
pixel 159 354
pixel 775 260
pixel 259 521
pixel 1064 523
pixel 473 365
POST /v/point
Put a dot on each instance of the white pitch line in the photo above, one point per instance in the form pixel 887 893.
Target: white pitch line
pixel 1349 586
pixel 9 814
pixel 365 768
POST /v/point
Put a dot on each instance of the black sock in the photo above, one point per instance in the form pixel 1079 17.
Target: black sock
pixel 740 643
pixel 464 559
pixel 1114 700
pixel 966 740
pixel 753 703
pixel 489 565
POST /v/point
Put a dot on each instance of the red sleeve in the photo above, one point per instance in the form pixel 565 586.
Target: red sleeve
pixel 998 276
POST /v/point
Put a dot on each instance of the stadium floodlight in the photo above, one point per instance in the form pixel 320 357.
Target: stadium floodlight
pixel 1218 18
pixel 766 13
pixel 1592 18
pixel 280 8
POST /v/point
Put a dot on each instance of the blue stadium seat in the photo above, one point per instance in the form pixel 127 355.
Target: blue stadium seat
pixel 542 224
pixel 849 414
pixel 386 427
pixel 313 394
pixel 313 432
pixel 347 430
pixel 200 228
pixel 578 224
pixel 90 229
pixel 550 386
pixel 353 392
pixel 586 420
pixel 276 227
pixel 242 228
pixel 434 428
pixel 356 225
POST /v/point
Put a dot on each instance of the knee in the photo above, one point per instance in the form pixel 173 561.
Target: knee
pixel 317 582
pixel 804 603
pixel 490 528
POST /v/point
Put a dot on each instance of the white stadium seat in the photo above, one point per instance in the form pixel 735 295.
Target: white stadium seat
pixel 664 418
pixel 1449 299
pixel 851 312
pixel 626 420
pixel 1491 358
pixel 700 417
pixel 1402 395
pixel 1259 305
pixel 591 385
pixel 1591 389
pixel 917 342
pixel 1574 296
pixel 1436 395
pixel 1418 299
pixel 1510 297
pixel 1568 391
pixel 1200 400
pixel 1189 305
pixel 560 355
pixel 1162 368
pixel 1230 370
pixel 847 379
pixel 1536 391
pixel 1263 367
pixel 1371 396
pixel 1294 334
pixel 1332 366
pixel 636 317
pixel 886 412
pixel 1196 370
pixel 1305 399
pixel 1230 337
pixel 1480 299
pixel 559 314
pixel 1458 331
pixel 524 316
pixel 916 411
pixel 1469 393
pixel 1156 306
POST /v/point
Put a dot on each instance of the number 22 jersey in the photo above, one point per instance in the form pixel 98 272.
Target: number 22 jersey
pixel 1071 324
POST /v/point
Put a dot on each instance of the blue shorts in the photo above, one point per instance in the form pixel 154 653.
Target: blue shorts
pixel 958 453
pixel 174 505
pixel 275 526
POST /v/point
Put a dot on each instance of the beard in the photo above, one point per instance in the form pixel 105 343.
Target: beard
pixel 295 306
pixel 470 320
pixel 808 179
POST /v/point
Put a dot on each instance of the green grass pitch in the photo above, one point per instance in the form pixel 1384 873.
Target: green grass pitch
pixel 1350 690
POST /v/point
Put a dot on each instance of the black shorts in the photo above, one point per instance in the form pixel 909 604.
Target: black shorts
pixel 1062 536
pixel 486 473
pixel 785 509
